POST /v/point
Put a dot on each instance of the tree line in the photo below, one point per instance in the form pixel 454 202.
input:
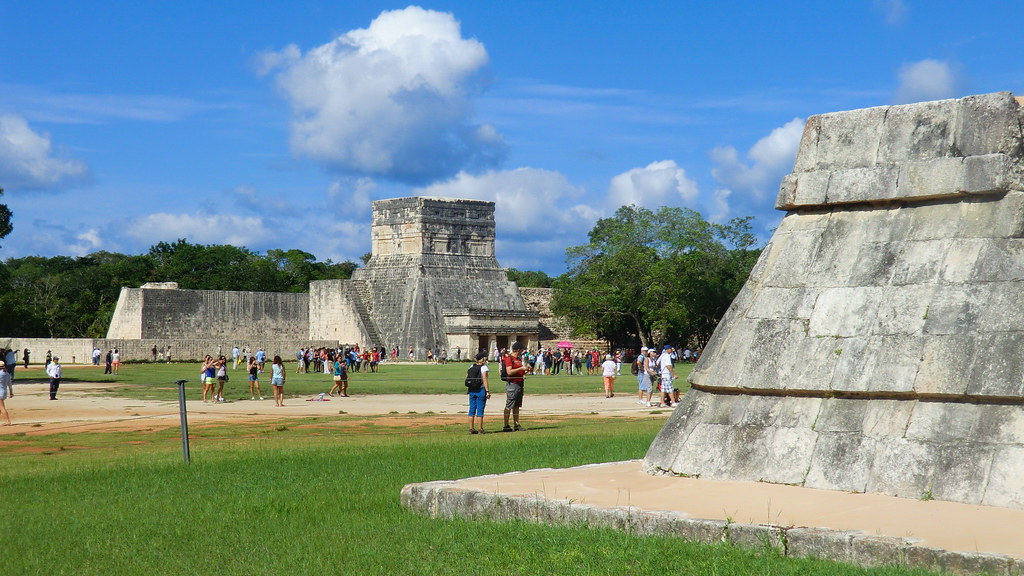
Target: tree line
pixel 65 297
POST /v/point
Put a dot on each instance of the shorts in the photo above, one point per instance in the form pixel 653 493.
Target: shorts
pixel 211 380
pixel 277 381
pixel 666 385
pixel 514 395
pixel 252 378
pixel 644 381
pixel 3 392
pixel 477 402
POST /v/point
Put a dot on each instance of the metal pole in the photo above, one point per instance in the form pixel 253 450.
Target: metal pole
pixel 184 420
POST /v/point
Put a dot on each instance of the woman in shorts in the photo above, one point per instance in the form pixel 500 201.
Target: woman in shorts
pixel 340 378
pixel 277 376
pixel 208 374
pixel 5 381
pixel 254 380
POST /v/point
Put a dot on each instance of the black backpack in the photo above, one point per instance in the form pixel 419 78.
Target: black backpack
pixel 474 381
pixel 503 375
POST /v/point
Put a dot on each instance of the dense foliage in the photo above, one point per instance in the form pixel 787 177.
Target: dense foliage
pixel 654 277
pixel 64 297
pixel 5 218
pixel 530 278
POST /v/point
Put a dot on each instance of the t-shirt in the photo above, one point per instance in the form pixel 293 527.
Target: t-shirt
pixel 511 363
pixel 665 362
pixel 609 368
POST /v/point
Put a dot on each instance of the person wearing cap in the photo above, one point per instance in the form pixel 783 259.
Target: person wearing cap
pixel 479 392
pixel 5 386
pixel 515 373
pixel 644 373
pixel 53 370
pixel 668 392
pixel 608 373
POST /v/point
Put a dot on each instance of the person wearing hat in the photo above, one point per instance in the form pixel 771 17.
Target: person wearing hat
pixel 515 373
pixel 644 375
pixel 479 392
pixel 668 392
pixel 53 370
pixel 5 386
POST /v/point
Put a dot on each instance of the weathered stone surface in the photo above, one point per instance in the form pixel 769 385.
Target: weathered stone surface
pixel 890 295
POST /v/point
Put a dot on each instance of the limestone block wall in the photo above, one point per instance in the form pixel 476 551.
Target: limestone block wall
pixel 79 350
pixel 209 314
pixel 877 344
pixel 69 350
pixel 333 315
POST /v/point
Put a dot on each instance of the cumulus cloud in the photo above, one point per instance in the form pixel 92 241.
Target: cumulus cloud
pixel 527 200
pixel 353 194
pixel 753 181
pixel 926 80
pixel 200 228
pixel 391 100
pixel 28 159
pixel 656 184
pixel 894 11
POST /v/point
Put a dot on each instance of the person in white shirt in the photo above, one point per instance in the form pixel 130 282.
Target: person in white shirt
pixel 668 392
pixel 608 372
pixel 54 371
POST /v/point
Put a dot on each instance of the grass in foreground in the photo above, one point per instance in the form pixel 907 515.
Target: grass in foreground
pixel 156 381
pixel 299 497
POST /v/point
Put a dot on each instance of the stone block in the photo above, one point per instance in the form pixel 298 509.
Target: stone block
pixel 1003 486
pixel 821 543
pixel 956 309
pixel 775 302
pixel 918 132
pixel 988 174
pixel 961 261
pixel 1000 260
pixel 887 418
pixel 872 550
pixel 816 370
pixel 919 262
pixel 853 185
pixel 999 370
pixel 902 310
pixel 807 153
pixel 765 365
pixel 842 415
pixel 875 264
pixel 932 178
pixel 789 455
pixel 953 562
pixel 960 469
pixel 935 220
pixel 993 217
pixel 945 364
pixel 786 198
pixel 695 459
pixel 756 537
pixel 901 467
pixel 849 139
pixel 791 260
pixel 988 124
pixel 845 312
pixel 841 461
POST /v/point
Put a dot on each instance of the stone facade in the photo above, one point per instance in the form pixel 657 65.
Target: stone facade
pixel 432 281
pixel 877 344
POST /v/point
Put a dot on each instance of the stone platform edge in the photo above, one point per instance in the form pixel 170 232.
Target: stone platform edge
pixel 446 499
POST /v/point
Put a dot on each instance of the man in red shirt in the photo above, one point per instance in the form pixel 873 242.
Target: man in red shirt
pixel 515 372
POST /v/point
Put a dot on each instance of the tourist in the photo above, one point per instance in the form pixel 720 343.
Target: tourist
pixel 222 377
pixel 49 358
pixel 444 356
pixel 154 352
pixel 5 387
pixel 24 357
pixel 644 374
pixel 340 378
pixel 608 373
pixel 277 378
pixel 235 356
pixel 668 392
pixel 8 385
pixel 109 361
pixel 168 353
pixel 115 360
pixel 208 376
pixel 261 358
pixel 515 373
pixel 96 353
pixel 53 370
pixel 479 392
pixel 254 380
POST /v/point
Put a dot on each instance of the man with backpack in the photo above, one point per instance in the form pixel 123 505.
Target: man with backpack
pixel 513 373
pixel 479 392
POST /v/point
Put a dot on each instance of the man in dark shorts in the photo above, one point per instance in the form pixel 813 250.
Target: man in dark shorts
pixel 515 371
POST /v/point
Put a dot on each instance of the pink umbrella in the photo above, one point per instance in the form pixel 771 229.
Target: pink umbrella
pixel 564 344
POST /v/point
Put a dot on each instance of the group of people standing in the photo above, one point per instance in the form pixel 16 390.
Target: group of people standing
pixel 513 371
pixel 214 376
pixel 8 362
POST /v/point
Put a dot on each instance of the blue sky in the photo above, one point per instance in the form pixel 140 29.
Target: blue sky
pixel 274 125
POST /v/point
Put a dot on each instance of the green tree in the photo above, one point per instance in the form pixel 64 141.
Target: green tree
pixel 5 218
pixel 652 277
pixel 530 278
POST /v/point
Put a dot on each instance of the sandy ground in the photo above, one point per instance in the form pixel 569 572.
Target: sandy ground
pixel 78 408
pixel 946 525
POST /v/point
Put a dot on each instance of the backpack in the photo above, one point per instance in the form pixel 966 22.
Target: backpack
pixel 504 371
pixel 635 368
pixel 474 381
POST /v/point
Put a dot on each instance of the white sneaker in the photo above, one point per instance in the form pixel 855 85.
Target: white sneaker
pixel 252 398
pixel 261 397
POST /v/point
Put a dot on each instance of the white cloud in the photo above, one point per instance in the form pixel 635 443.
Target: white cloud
pixel 772 158
pixel 894 11
pixel 200 229
pixel 87 242
pixel 28 159
pixel 527 200
pixel 390 100
pixel 353 194
pixel 926 80
pixel 656 184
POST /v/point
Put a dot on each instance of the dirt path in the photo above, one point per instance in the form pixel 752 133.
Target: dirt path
pixel 79 409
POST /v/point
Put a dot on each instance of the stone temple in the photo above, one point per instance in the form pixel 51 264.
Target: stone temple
pixel 878 345
pixel 432 281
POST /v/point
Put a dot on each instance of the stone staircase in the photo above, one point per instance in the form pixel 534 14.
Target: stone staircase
pixel 359 294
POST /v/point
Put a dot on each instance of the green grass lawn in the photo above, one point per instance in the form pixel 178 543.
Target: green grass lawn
pixel 156 381
pixel 321 496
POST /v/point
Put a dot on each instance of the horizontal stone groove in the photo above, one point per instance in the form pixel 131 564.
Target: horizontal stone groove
pixel 863 395
pixel 884 204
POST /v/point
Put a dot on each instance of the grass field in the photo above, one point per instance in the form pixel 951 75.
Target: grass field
pixel 156 381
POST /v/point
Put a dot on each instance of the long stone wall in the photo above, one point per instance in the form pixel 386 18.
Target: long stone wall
pixel 79 350
pixel 877 344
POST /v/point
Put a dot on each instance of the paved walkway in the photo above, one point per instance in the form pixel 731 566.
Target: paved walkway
pixel 946 525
